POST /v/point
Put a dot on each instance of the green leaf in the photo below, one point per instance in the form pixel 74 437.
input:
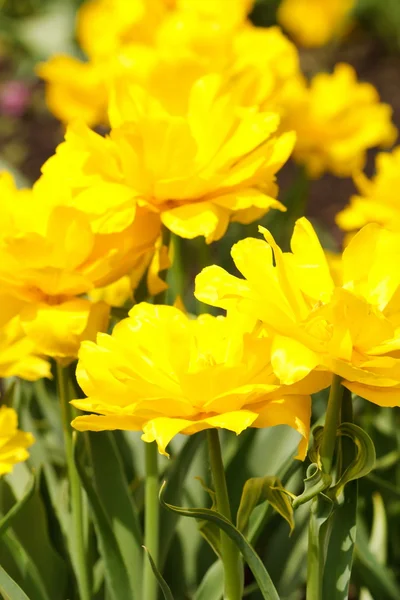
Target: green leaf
pixel 257 490
pixel 9 589
pixel 260 573
pixel 6 521
pixel 27 573
pixel 285 472
pixel 211 534
pixel 30 527
pixel 161 581
pixel 315 482
pixel 113 492
pixel 378 539
pixel 364 460
pixel 339 560
pixel 175 477
pixel 212 584
pixel 116 575
pixel 379 580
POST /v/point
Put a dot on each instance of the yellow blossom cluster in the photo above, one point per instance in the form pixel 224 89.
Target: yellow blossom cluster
pixel 130 39
pixel 203 109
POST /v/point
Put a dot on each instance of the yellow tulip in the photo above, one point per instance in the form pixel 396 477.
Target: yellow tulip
pixel 349 328
pixel 52 253
pixel 337 119
pixel 165 373
pixel 13 442
pixel 314 22
pixel 198 169
pixel 378 200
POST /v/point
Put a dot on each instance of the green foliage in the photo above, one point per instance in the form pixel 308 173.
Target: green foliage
pixel 259 571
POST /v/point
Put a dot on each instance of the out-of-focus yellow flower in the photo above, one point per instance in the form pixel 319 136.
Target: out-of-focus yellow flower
pixel 51 252
pixel 164 373
pixel 199 164
pixel 262 67
pixel 75 89
pixel 105 26
pixel 337 119
pixel 13 442
pixel 133 39
pixel 351 329
pixel 18 354
pixel 78 90
pixel 314 22
pixel 378 200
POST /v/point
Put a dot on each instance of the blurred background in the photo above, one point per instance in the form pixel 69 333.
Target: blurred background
pixel 33 30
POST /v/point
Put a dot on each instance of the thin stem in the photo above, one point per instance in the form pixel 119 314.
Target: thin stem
pixel 152 516
pixel 230 554
pixel 74 486
pixel 332 421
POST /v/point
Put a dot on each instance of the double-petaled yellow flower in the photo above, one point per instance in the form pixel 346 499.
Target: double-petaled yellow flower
pixel 378 199
pixel 314 22
pixel 53 253
pixel 196 159
pixel 165 373
pixel 337 119
pixel 13 442
pixel 349 328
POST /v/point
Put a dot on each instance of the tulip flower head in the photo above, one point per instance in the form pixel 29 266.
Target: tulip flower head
pixel 199 164
pixel 337 119
pixel 13 442
pixel 164 373
pixel 52 254
pixel 348 328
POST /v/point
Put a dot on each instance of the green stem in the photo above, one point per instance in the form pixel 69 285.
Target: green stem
pixel 230 554
pixel 74 486
pixel 332 421
pixel 152 516
pixel 314 570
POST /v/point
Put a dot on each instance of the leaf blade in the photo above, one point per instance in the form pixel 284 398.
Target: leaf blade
pixel 259 571
pixel 115 572
pixel 9 589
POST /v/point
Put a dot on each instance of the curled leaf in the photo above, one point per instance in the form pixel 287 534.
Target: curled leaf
pixel 365 456
pixel 257 567
pixel 316 482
